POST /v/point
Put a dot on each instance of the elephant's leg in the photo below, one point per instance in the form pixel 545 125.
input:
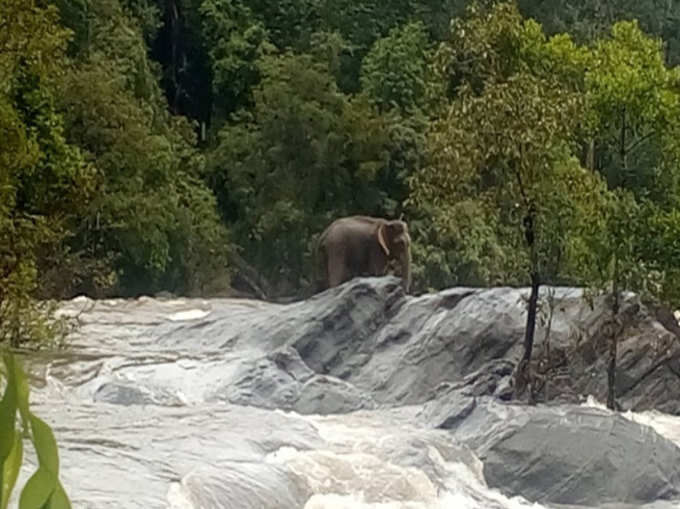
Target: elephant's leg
pixel 378 264
pixel 321 272
pixel 337 271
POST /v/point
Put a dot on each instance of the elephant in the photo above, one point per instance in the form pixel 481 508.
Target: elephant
pixel 362 246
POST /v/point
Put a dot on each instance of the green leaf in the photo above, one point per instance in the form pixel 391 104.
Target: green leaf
pixel 59 500
pixel 45 445
pixel 38 490
pixel 10 471
pixel 43 489
pixel 46 479
pixel 22 391
pixel 8 407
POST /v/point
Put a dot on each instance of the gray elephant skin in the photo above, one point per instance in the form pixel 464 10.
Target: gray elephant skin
pixel 359 246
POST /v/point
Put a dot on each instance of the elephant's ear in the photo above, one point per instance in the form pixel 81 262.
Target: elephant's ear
pixel 381 239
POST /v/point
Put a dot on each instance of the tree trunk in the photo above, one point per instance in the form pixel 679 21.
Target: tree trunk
pixel 522 374
pixel 531 317
pixel 174 22
pixel 614 339
pixel 614 336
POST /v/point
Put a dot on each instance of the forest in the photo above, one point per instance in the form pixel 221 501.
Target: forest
pixel 195 146
pixel 200 147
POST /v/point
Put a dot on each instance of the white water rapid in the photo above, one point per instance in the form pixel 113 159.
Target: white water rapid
pixel 137 402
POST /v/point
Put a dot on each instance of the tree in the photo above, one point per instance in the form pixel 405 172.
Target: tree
pixel 153 224
pixel 393 72
pixel 611 265
pixel 589 20
pixel 634 107
pixel 394 75
pixel 235 41
pixel 305 154
pixel 291 24
pixel 633 119
pixel 179 46
pixel 505 144
pixel 44 181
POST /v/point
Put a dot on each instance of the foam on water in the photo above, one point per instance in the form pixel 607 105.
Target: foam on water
pixel 356 470
pixel 363 468
pixel 666 425
pixel 365 482
pixel 190 314
pixel 178 498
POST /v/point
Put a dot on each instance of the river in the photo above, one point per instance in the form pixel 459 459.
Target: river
pixel 156 404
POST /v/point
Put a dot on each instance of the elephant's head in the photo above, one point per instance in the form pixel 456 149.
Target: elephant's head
pixel 396 243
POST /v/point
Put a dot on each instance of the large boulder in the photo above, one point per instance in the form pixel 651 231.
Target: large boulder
pixel 570 455
pixel 365 344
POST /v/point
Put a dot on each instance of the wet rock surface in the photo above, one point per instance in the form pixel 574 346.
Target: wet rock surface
pixel 240 403
pixel 570 455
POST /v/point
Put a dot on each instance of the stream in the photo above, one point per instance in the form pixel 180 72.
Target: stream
pixel 228 403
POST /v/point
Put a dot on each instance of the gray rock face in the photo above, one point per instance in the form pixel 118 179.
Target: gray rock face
pixel 571 455
pixel 370 377
pixel 399 350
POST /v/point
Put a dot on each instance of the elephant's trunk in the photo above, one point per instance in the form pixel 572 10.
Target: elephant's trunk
pixel 406 269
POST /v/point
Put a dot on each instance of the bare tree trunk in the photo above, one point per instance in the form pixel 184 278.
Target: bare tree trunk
pixel 590 155
pixel 546 343
pixel 614 339
pixel 523 375
pixel 174 15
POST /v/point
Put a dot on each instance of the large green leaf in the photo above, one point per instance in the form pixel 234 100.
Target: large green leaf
pixel 8 406
pixel 45 445
pixel 59 499
pixel 43 489
pixel 38 490
pixel 8 438
pixel 10 471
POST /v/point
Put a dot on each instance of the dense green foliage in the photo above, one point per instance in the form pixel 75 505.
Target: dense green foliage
pixel 179 145
pixel 303 153
pixel 45 182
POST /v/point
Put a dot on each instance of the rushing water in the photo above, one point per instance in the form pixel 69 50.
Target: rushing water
pixel 184 448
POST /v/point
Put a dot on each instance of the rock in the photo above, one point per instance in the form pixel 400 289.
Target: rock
pixel 448 411
pixel 398 349
pixel 327 395
pixel 239 481
pixel 391 349
pixel 282 380
pixel 239 401
pixel 164 295
pixel 134 394
pixel 570 455
pixel 377 346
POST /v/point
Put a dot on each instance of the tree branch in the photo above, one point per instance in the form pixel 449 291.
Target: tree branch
pixel 639 141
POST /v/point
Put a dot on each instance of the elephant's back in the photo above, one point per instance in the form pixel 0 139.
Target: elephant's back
pixel 355 224
pixel 352 232
pixel 368 220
